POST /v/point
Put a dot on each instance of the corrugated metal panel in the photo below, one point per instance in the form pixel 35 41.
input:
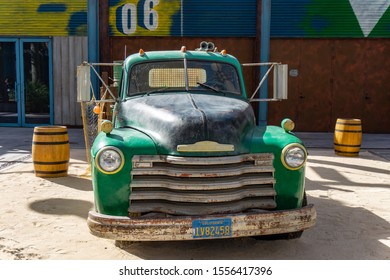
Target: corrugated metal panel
pixel 219 18
pixel 43 18
pixel 234 18
pixel 68 53
pixel 330 18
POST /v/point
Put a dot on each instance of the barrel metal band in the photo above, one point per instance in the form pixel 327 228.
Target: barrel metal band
pixel 51 172
pixel 343 145
pixel 352 131
pixel 50 163
pixel 51 133
pixel 343 152
pixel 355 124
pixel 50 143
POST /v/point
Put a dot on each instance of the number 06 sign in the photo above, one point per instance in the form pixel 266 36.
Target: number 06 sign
pixel 143 18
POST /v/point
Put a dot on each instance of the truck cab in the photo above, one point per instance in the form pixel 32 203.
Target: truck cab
pixel 183 158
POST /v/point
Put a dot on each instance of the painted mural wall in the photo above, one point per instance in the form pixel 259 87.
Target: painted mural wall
pixel 299 18
pixel 330 18
pixel 43 18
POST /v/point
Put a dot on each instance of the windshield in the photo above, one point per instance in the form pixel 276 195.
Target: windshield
pixel 151 77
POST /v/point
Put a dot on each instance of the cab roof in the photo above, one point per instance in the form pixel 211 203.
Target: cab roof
pixel 177 55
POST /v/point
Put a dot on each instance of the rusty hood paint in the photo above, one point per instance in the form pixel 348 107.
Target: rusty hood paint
pixel 183 118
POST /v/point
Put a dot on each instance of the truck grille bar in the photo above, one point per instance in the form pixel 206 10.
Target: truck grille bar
pixel 202 186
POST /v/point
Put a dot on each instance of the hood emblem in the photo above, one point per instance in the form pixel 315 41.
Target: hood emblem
pixel 205 146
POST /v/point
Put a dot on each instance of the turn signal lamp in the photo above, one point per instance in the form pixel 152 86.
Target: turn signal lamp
pixel 288 125
pixel 141 52
pixel 224 52
pixel 97 109
pixel 183 49
pixel 106 126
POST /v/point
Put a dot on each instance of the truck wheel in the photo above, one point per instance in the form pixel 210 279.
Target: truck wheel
pixel 289 235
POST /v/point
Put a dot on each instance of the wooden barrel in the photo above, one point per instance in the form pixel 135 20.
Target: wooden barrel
pixel 348 137
pixel 50 151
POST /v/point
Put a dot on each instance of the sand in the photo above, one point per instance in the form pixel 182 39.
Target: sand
pixel 46 218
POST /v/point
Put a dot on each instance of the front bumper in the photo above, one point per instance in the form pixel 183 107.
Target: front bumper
pixel 180 228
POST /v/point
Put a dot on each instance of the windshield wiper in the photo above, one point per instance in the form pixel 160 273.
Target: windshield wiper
pixel 210 87
pixel 162 89
pixel 207 86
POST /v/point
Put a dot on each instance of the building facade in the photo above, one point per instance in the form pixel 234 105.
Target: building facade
pixel 41 43
pixel 337 50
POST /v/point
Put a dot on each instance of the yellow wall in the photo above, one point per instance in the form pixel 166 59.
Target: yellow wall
pixel 43 18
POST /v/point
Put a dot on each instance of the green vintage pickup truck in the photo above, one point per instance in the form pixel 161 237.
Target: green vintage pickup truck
pixel 183 158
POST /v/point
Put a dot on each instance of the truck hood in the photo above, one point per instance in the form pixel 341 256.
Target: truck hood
pixel 185 119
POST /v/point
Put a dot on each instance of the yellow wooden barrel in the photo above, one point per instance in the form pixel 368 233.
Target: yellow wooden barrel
pixel 348 137
pixel 50 151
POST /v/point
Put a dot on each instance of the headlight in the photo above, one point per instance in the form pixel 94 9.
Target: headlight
pixel 109 160
pixel 294 156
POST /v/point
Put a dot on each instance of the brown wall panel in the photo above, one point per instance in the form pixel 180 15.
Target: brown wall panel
pixel 349 78
pixel 315 85
pixel 309 93
pixel 376 116
pixel 337 78
pixel 286 52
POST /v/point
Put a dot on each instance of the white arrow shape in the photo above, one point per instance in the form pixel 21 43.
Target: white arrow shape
pixel 369 12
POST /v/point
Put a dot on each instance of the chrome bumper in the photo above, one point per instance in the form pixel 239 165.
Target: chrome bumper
pixel 180 228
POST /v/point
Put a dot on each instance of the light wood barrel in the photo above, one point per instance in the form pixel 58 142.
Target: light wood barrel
pixel 50 151
pixel 348 137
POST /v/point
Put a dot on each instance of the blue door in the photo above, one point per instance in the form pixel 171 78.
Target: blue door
pixel 9 81
pixel 26 97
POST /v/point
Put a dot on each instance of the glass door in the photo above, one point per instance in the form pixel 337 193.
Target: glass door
pixel 36 82
pixel 25 82
pixel 9 81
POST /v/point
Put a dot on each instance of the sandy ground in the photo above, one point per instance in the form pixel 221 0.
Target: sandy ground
pixel 46 218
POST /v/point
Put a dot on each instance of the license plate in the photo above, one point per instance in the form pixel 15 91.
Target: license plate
pixel 213 228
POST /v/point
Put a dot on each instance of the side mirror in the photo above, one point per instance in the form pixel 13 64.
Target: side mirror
pixel 280 76
pixel 83 83
pixel 280 81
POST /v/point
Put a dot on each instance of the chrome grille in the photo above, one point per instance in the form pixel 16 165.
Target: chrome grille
pixel 201 186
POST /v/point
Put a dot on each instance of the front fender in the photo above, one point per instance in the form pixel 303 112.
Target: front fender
pixel 112 191
pixel 290 184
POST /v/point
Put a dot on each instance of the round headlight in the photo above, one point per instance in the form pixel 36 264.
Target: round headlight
pixel 294 156
pixel 109 160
